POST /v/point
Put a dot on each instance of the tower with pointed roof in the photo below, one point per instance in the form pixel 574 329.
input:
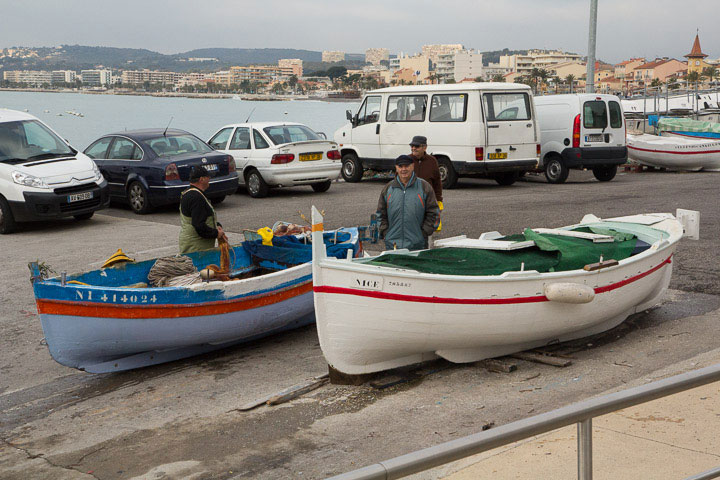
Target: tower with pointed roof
pixel 696 58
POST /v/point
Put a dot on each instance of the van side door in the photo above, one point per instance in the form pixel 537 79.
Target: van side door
pixel 366 128
pixel 509 126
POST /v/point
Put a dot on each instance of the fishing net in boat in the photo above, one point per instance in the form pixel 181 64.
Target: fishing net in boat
pixel 551 253
pixel 167 268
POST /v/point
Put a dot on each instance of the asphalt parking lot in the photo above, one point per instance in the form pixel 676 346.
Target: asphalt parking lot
pixel 180 420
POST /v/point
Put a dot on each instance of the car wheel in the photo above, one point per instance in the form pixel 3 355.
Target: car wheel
pixel 256 186
pixel 448 175
pixel 138 198
pixel 84 216
pixel 555 170
pixel 321 186
pixel 7 220
pixel 506 179
pixel 217 200
pixel 352 169
pixel 605 173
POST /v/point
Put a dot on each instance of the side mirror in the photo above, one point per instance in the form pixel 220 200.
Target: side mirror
pixel 322 134
pixel 349 115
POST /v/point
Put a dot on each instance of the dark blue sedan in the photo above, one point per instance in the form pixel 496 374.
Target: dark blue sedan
pixel 150 168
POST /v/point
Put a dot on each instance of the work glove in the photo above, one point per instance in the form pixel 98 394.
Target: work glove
pixel 439 227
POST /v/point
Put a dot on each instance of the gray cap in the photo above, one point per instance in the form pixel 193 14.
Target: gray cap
pixel 198 172
pixel 418 140
pixel 404 160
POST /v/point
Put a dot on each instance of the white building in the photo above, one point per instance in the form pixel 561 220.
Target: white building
pixel 333 56
pixel 63 76
pixel 459 65
pixel 96 78
pixel 374 56
pixel 523 64
pixel 434 51
pixel 34 78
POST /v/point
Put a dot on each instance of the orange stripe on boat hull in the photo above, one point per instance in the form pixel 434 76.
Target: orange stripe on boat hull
pixel 87 309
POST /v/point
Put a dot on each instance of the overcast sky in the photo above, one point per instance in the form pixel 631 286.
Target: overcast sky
pixel 626 28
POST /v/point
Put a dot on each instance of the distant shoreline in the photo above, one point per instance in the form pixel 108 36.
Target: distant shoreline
pixel 247 96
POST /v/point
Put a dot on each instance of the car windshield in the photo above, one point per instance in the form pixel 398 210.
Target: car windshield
pixel 164 146
pixel 290 133
pixel 30 140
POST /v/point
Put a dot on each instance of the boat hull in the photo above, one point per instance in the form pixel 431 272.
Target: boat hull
pixel 373 318
pixel 675 153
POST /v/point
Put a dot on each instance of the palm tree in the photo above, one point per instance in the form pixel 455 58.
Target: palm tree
pixel 498 78
pixel 543 75
pixel 711 73
pixel 692 77
pixel 569 80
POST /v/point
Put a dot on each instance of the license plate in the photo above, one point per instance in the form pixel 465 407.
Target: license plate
pixel 76 197
pixel 306 157
pixel 594 137
pixel 212 167
pixel 497 156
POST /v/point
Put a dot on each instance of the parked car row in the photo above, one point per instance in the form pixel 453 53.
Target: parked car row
pixel 491 130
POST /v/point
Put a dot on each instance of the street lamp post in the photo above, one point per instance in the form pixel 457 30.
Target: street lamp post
pixel 592 37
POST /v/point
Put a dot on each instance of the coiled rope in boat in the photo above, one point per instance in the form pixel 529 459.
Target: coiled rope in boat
pixel 167 268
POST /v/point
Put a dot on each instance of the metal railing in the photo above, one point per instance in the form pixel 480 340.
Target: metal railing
pixel 580 413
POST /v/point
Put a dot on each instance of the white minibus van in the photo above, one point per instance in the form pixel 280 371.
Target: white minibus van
pixel 582 130
pixel 42 177
pixel 473 129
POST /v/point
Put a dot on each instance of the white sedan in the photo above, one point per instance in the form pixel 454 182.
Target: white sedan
pixel 272 154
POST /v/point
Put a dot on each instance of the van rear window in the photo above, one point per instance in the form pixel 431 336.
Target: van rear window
pixel 616 115
pixel 595 114
pixel 506 106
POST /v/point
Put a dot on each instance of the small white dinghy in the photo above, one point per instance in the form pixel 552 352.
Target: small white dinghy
pixel 374 315
pixel 675 152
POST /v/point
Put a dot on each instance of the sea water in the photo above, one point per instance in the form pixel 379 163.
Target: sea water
pixel 104 114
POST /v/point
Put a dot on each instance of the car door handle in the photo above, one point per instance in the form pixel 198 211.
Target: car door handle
pixel 493 126
pixel 377 129
pixel 512 149
pixel 124 169
pixel 529 125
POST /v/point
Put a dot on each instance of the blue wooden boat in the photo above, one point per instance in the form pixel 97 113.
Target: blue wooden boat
pixel 100 321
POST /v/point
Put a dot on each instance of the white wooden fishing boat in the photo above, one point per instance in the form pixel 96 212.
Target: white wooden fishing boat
pixel 372 317
pixel 675 152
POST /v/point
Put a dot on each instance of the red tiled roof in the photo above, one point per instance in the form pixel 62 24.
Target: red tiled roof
pixel 696 50
pixel 651 65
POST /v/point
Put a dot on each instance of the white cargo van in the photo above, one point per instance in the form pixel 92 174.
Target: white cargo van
pixel 583 130
pixel 473 129
pixel 41 176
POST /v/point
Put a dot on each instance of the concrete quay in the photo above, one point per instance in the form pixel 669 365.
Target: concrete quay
pixel 181 420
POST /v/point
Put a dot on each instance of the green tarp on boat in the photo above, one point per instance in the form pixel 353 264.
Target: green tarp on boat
pixel 552 253
pixel 670 124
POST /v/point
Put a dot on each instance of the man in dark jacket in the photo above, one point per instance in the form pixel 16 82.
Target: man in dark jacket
pixel 198 221
pixel 426 167
pixel 408 209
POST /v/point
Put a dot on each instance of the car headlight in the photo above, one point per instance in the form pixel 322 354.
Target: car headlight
pixel 98 176
pixel 28 180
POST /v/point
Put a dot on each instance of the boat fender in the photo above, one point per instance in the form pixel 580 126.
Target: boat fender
pixel 569 293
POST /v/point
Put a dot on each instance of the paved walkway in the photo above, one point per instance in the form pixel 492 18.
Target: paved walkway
pixel 669 438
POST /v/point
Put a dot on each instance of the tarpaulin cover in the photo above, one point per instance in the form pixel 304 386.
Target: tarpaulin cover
pixel 289 250
pixel 552 253
pixel 671 124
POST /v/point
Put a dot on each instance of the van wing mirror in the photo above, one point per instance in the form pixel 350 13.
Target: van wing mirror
pixel 349 115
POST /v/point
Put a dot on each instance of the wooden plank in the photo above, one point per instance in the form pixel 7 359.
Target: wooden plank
pixel 547 360
pixel 264 400
pixel 498 366
pixel 595 237
pixel 591 267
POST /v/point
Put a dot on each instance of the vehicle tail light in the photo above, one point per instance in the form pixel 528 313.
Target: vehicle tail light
pixel 576 132
pixel 334 155
pixel 282 158
pixel 171 172
pixel 537 151
pixel 231 163
pixel 479 153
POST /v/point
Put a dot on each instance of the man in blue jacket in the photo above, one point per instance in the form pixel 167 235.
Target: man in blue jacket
pixel 408 209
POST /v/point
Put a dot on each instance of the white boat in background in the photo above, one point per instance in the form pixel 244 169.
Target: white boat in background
pixel 372 318
pixel 675 152
pixel 686 102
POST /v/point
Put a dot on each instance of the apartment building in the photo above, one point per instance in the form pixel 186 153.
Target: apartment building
pixel 333 56
pixel 624 70
pixel 419 65
pixel 139 77
pixel 374 56
pixel 459 65
pixel 63 76
pixel 96 78
pixel 34 78
pixel 432 52
pixel 661 69
pixel 545 59
pixel 290 66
